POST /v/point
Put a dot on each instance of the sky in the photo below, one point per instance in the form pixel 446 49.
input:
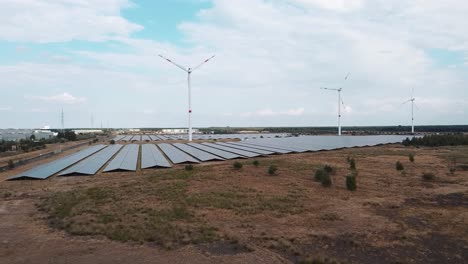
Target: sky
pixel 98 61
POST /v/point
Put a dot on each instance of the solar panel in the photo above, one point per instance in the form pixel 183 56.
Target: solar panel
pixel 250 149
pixel 176 155
pixel 117 138
pixel 136 138
pixel 273 145
pixel 151 157
pixel 276 150
pixel 125 160
pixel 45 171
pixel 233 150
pixel 93 163
pixel 145 138
pixel 217 152
pixel 197 153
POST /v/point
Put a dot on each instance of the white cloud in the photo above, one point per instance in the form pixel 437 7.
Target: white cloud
pixel 63 20
pixel 269 112
pixel 5 108
pixel 336 5
pixel 64 98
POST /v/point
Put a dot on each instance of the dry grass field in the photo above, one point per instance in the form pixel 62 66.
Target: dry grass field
pixel 216 213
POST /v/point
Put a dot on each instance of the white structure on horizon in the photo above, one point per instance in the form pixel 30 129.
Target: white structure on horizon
pixel 179 130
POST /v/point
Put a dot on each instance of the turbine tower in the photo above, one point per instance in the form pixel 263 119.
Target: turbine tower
pixel 189 72
pixel 412 99
pixel 340 102
pixel 62 121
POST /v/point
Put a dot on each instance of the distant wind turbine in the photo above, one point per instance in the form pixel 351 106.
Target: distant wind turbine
pixel 189 72
pixel 340 102
pixel 412 99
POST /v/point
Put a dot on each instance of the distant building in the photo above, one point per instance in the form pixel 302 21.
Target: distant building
pixel 18 134
pixel 179 130
pixel 88 131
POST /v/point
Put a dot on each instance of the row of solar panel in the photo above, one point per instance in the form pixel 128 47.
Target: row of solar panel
pixel 125 157
pixel 130 138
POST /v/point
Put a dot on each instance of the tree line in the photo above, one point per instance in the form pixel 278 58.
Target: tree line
pixel 437 140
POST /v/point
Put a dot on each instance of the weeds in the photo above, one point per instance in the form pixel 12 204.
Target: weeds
pixel 256 163
pixel 188 167
pixel 326 180
pixel 351 182
pixel 399 166
pixel 272 169
pixel 411 157
pixel 319 174
pixel 237 165
pixel 11 164
pixel 351 162
pixel 428 176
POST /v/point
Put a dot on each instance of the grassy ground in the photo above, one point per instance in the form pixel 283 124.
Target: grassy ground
pixel 392 217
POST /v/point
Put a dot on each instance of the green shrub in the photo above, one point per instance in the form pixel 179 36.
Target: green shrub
pixel 399 166
pixel 411 157
pixel 188 167
pixel 237 165
pixel 352 163
pixel 112 142
pixel 326 180
pixel 328 169
pixel 272 169
pixel 319 174
pixel 11 164
pixel 428 176
pixel 351 182
pixel 256 163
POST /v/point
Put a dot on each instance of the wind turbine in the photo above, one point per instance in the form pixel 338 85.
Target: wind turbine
pixel 189 72
pixel 340 102
pixel 412 99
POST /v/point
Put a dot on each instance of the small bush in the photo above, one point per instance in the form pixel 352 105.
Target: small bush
pixel 452 170
pixel 428 176
pixel 352 163
pixel 11 164
pixel 399 166
pixel 188 167
pixel 326 180
pixel 272 169
pixel 112 142
pixel 256 163
pixel 319 174
pixel 328 169
pixel 351 182
pixel 411 157
pixel 237 165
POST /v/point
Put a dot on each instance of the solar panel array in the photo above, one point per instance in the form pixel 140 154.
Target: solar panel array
pixel 125 158
pixel 151 157
pixel 128 138
pixel 45 171
pixel 93 163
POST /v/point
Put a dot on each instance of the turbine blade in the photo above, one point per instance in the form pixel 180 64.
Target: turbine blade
pixel 347 75
pixel 407 101
pixel 177 65
pixel 203 62
pixel 331 89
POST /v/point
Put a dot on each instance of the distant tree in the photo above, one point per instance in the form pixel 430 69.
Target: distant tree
pixel 32 137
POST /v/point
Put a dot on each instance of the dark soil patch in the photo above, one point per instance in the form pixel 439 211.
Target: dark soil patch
pixel 223 247
pixel 452 199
